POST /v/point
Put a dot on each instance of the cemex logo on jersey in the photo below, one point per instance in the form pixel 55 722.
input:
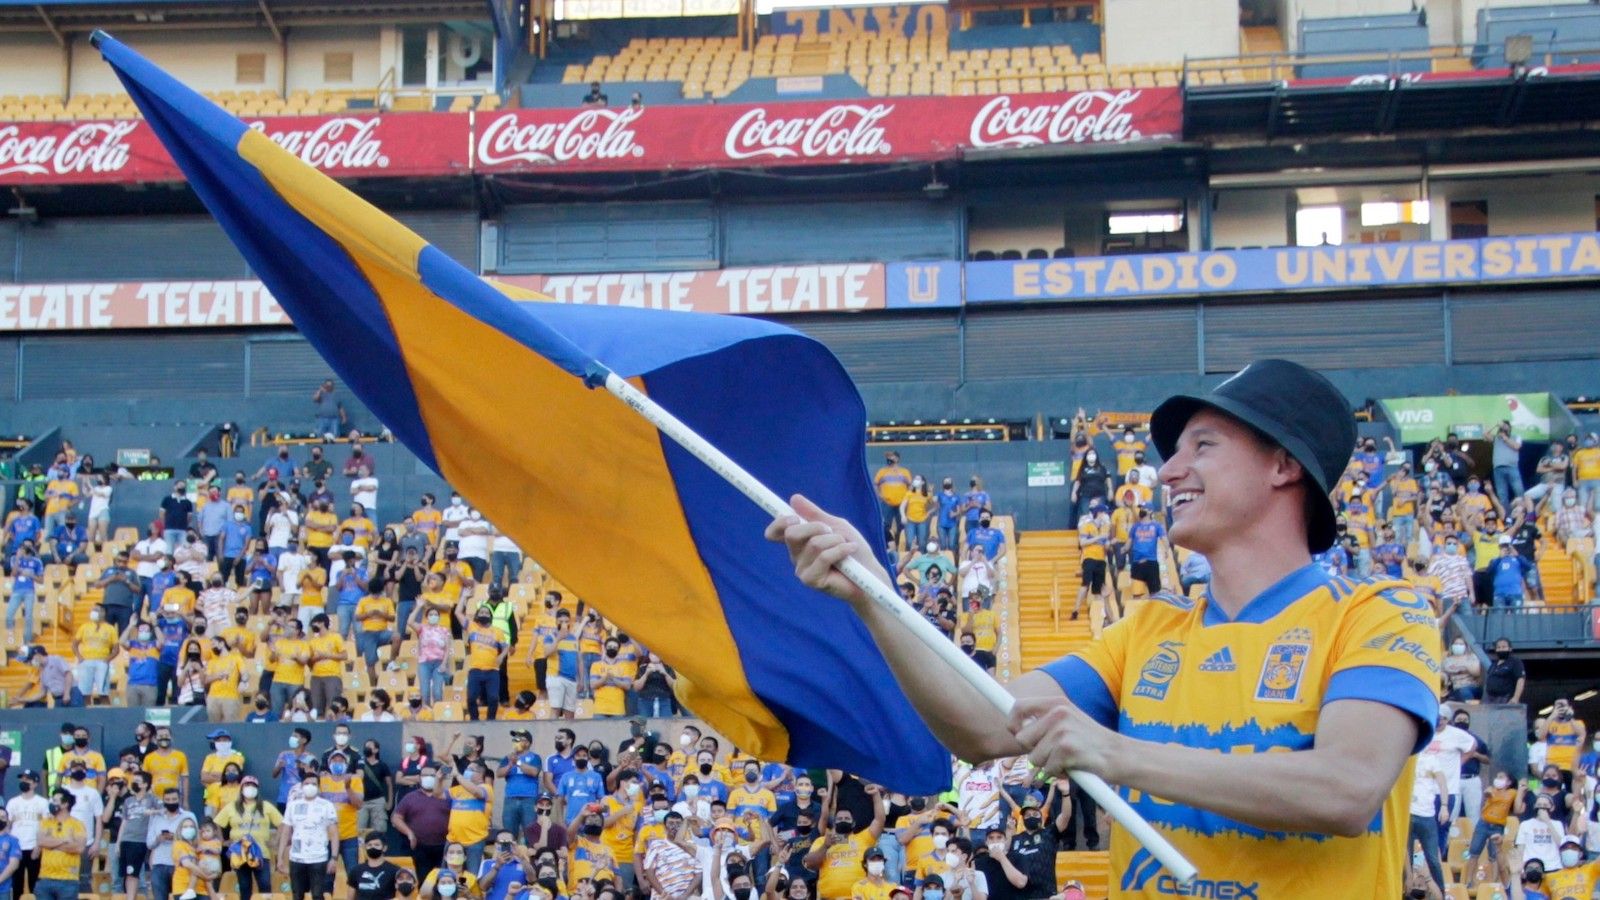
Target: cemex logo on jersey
pixel 1158 671
pixel 1142 867
pixel 1220 661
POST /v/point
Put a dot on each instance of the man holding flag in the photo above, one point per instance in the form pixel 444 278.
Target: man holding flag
pixel 1184 699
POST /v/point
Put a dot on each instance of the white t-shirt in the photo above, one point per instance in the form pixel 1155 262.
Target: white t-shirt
pixel 148 568
pixel 503 544
pixel 86 807
pixel 99 499
pixel 965 887
pixel 310 820
pixel 1541 841
pixel 980 801
pixel 1448 745
pixel 453 516
pixel 473 535
pixel 281 526
pixel 714 885
pixel 290 566
pixel 1424 789
pixel 369 717
pixel 365 492
pixel 26 814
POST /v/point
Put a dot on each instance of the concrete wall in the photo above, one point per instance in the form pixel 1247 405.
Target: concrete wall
pixel 1160 31
pixel 306 50
pixel 32 64
pixel 1544 205
pixel 203 60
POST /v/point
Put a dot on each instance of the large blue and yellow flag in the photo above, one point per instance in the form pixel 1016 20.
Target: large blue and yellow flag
pixel 490 394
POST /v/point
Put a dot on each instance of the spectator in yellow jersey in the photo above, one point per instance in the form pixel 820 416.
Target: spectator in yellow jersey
pixel 61 843
pixel 375 618
pixel 610 680
pixel 916 512
pixel 326 652
pixel 94 645
pixel 1094 537
pixel 982 624
pixel 224 672
pixel 873 885
pixel 485 652
pixel 289 657
pixel 1126 448
pixel 838 857
pixel 892 481
pixel 619 822
pixel 361 526
pixel 456 574
pixel 168 768
pixel 343 788
pixel 471 808
pixel 321 528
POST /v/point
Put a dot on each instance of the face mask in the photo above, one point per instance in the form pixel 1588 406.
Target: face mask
pixel 691 791
pixel 592 830
pixel 146 634
pixel 1032 823
pixel 581 763
pixel 1502 783
pixel 187 834
pixel 548 882
pixel 1551 782
pixel 685 740
pixel 66 740
pixel 659 816
pixel 429 782
pixel 1570 858
pixel 77 774
pixel 341 739
pixel 633 789
pixel 224 747
pixel 250 792
pixel 932 894
pixel 411 749
pixel 750 777
pixel 940 840
pixel 484 620
pixel 455 501
pixel 338 768
pixel 447 889
pixel 843 827
pixel 1502 654
pixel 611 652
pixel 953 859
pixel 374 853
pixel 1458 648
pixel 164 742
pixel 309 791
pixel 171 806
pixel 875 868
pixel 405 888
pixel 433 618
pixel 80 741
pixel 705 768
pixel 294 741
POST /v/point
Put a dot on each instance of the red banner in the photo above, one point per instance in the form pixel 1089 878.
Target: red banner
pixel 127 150
pixel 816 132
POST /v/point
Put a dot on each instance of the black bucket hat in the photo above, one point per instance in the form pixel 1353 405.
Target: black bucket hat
pixel 1297 408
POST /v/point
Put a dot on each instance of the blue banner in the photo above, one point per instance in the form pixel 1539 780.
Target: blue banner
pixel 1475 261
pixel 922 285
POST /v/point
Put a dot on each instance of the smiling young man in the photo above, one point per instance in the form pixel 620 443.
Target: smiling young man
pixel 1275 717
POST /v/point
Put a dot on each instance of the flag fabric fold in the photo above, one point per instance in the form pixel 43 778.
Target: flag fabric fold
pixel 490 393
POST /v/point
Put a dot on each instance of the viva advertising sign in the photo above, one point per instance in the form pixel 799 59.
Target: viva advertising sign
pixel 1423 419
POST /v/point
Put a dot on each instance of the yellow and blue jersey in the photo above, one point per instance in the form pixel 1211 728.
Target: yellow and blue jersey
pixel 1179 671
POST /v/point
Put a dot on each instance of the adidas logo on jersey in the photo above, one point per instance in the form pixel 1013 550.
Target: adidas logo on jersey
pixel 1220 661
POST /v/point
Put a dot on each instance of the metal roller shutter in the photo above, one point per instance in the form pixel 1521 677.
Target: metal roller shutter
pixel 872 231
pixel 454 232
pixel 288 366
pixel 888 347
pixel 1325 334
pixel 1066 340
pixel 607 237
pixel 1524 327
pixel 132 366
pixel 164 248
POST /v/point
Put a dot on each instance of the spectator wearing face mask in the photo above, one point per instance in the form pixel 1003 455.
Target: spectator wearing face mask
pixel 1540 837
pixel 308 842
pixel 161 834
pixel 472 537
pixel 253 825
pixel 1499 803
pixel 471 810
pixel 916 512
pixel 1463 673
pixel 375 878
pixel 838 856
pixel 1565 735
pixel 1454 572
pixel 486 651
pixel 62 841
pixel 342 787
pixel 932 888
pixel 423 818
pixel 1575 878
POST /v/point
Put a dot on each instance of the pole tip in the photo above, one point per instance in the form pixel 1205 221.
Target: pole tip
pixel 96 36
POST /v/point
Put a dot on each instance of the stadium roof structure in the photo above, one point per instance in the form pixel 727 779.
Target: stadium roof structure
pixel 63 17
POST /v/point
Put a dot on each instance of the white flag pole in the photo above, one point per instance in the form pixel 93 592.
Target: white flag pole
pixel 890 602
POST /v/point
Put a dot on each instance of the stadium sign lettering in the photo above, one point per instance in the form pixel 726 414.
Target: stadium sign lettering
pixel 594 134
pixel 345 142
pixel 848 131
pixel 1085 117
pixel 767 289
pixel 91 147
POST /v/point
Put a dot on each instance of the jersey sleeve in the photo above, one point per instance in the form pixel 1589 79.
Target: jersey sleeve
pixel 1388 651
pixel 1092 677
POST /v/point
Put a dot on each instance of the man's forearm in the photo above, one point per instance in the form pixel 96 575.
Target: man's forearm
pixel 1308 790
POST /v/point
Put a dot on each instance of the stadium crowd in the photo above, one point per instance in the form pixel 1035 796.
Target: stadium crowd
pixel 674 818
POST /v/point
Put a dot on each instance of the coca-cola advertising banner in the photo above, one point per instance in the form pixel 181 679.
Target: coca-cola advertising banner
pixel 127 150
pixel 816 132
pixel 653 138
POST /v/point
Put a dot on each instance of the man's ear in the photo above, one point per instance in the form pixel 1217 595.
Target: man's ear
pixel 1286 469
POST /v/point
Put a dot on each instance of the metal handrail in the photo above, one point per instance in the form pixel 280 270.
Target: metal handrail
pixel 1281 64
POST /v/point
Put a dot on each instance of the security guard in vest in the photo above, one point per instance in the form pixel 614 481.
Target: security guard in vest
pixel 54 756
pixel 503 617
